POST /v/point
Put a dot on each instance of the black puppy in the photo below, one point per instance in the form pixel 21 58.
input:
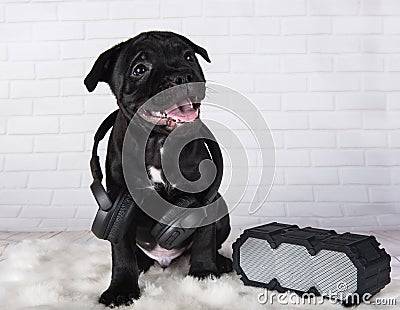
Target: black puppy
pixel 136 70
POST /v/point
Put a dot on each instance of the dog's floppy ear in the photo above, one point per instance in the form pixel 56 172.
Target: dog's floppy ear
pixel 102 68
pixel 198 49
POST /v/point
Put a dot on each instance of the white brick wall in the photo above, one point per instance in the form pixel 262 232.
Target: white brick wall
pixel 324 73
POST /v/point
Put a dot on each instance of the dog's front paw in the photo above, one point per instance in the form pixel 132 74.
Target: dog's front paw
pixel 116 296
pixel 203 274
pixel 224 264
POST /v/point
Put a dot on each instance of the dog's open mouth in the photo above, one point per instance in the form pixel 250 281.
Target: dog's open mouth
pixel 179 113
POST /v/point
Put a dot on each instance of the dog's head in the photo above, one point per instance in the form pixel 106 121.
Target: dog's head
pixel 148 64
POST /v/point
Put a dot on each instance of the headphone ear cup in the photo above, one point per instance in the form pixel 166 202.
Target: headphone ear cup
pixel 120 216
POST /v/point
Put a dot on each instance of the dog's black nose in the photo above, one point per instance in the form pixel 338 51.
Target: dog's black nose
pixel 181 79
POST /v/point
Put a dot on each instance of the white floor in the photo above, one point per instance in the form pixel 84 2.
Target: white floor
pixel 68 270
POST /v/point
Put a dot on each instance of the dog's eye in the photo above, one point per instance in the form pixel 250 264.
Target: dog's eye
pixel 189 56
pixel 139 69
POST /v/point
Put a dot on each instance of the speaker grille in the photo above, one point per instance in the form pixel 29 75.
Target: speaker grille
pixel 330 272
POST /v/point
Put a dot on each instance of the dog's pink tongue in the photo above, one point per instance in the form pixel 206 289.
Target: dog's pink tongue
pixel 182 111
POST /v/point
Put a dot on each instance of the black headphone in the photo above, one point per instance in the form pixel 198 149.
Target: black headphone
pixel 113 218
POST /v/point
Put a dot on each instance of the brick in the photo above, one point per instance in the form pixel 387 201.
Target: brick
pixel 392 63
pixel 73 197
pixel 307 102
pixel 22 196
pixel 309 139
pixel 179 8
pixel 56 106
pixel 362 139
pixel 15 144
pixel 54 179
pixel 365 175
pixel 281 83
pixel 42 51
pixel 16 70
pixel 18 224
pixel 336 82
pixel 15 32
pixel 134 9
pixel 370 209
pixel 335 120
pixel 238 81
pixel 59 143
pixel 280 7
pixel 58 31
pixel 86 213
pixel 333 158
pixel 314 209
pixel 357 25
pixel 391 25
pixel 3 52
pixel 170 24
pixel 359 63
pixel 10 211
pixel 291 193
pixel 381 120
pixel 335 193
pixel 395 172
pixel 215 26
pixel 254 25
pixel 27 12
pixel 333 44
pixel 78 161
pixel 306 25
pixel 307 63
pixel 85 123
pixel 388 220
pixel 266 209
pixel 221 8
pixel 292 158
pixel 383 82
pixel 4 90
pixel 30 162
pixel 311 176
pixel 393 101
pixel 86 49
pixel 333 7
pixel 231 45
pixel 83 11
pixel 72 224
pixel 254 63
pixel 34 88
pixel 265 102
pixel 219 63
pixel 360 101
pixel 3 125
pixel 280 45
pixel 72 87
pixel 394 139
pixel 348 221
pixel 383 157
pixel 286 121
pixel 32 125
pixel 53 70
pixel 47 212
pixel 385 194
pixel 13 179
pixel 380 7
pixel 381 44
pixel 16 107
pixel 109 29
pixel 99 104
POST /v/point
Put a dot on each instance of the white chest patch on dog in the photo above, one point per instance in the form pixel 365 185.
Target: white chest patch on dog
pixel 163 256
pixel 155 175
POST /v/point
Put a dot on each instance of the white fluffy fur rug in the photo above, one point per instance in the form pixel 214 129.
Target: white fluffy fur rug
pixel 49 274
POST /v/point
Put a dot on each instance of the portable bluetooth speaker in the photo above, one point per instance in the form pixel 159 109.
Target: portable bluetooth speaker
pixel 284 257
